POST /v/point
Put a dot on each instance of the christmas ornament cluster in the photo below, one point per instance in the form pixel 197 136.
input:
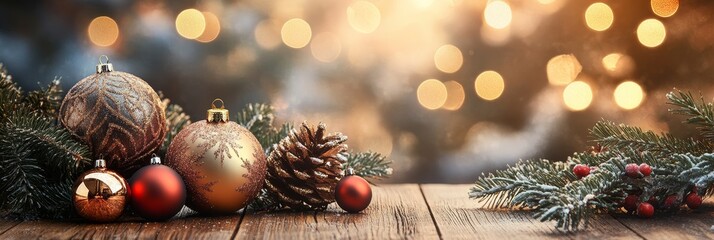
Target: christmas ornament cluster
pixel 629 170
pixel 213 166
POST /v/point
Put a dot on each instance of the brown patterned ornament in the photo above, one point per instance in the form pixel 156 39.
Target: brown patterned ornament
pixel 222 163
pixel 118 115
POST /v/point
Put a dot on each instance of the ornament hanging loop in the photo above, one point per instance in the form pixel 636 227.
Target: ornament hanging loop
pixel 217 114
pixel 155 159
pixel 100 163
pixel 217 100
pixel 103 67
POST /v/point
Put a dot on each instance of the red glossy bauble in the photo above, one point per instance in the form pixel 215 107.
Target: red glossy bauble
pixel 157 191
pixel 353 194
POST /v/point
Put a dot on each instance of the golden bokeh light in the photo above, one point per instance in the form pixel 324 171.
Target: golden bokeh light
pixel 448 58
pixel 455 95
pixel 325 47
pixel 577 96
pixel 599 16
pixel 610 61
pixel 213 28
pixel 664 8
pixel 103 31
pixel 363 16
pixel 431 94
pixel 651 32
pixel 296 33
pixel 489 85
pixel 190 23
pixel 563 69
pixel 629 95
pixel 267 34
pixel 497 14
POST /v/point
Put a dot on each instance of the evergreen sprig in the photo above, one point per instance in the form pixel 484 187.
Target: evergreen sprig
pixel 258 118
pixel 176 120
pixel 700 113
pixel 554 193
pixel 369 165
pixel 38 158
pixel 621 136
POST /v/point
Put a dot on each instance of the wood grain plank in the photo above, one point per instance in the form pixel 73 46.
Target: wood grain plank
pixel 6 225
pixel 686 224
pixel 189 225
pixel 186 225
pixel 75 229
pixel 396 211
pixel 459 217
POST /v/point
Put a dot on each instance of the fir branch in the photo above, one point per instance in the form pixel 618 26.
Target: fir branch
pixel 700 114
pixel 369 165
pixel 574 204
pixel 265 201
pixel 176 120
pixel 47 100
pixel 611 135
pixel 39 163
pixel 259 118
pixel 500 188
pixel 10 94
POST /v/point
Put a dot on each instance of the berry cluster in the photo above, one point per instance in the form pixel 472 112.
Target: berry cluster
pixel 634 171
pixel 646 209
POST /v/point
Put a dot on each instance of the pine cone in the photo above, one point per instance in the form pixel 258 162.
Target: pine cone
pixel 305 167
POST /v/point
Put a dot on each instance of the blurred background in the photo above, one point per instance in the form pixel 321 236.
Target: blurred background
pixel 446 88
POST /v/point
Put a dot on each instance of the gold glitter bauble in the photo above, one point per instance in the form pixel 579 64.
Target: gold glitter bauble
pixel 100 195
pixel 118 115
pixel 221 162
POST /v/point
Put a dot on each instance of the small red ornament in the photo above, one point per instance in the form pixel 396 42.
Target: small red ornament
pixel 158 192
pixel 645 169
pixel 353 194
pixel 630 202
pixel 693 200
pixel 670 202
pixel 632 170
pixel 581 170
pixel 645 210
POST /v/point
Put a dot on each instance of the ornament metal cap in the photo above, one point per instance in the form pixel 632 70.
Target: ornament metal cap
pixel 217 114
pixel 103 67
pixel 349 172
pixel 100 163
pixel 155 159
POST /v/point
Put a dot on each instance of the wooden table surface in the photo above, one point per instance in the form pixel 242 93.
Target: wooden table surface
pixel 428 211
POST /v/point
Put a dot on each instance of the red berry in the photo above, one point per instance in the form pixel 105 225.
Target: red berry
pixel 632 170
pixel 645 169
pixel 630 202
pixel 693 200
pixel 581 170
pixel 645 210
pixel 670 202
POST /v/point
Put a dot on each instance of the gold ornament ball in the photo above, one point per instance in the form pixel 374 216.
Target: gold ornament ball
pixel 100 195
pixel 222 163
pixel 118 115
